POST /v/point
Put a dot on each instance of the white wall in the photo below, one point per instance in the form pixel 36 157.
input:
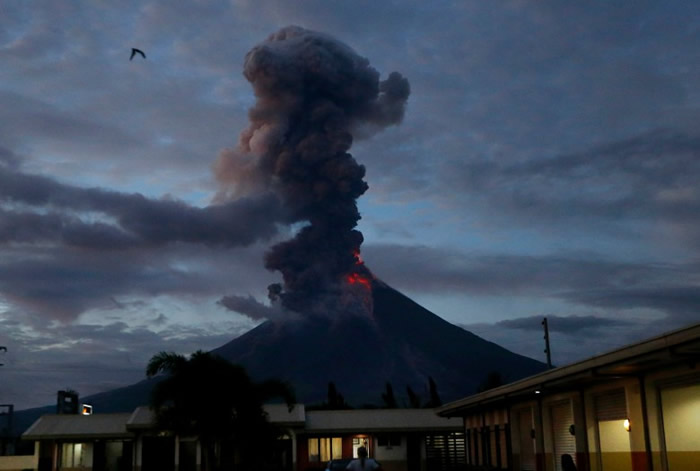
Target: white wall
pixel 8 463
pixel 16 463
pixel 394 453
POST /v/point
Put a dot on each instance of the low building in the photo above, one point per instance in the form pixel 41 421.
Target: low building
pixel 400 439
pixel 633 409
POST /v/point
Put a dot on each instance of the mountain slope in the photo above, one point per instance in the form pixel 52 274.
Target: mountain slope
pixel 403 343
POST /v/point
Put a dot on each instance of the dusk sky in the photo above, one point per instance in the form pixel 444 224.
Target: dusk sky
pixel 547 164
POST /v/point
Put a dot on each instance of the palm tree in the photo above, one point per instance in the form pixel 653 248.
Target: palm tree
pixel 210 398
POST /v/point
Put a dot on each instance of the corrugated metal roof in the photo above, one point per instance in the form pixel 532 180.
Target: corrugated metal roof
pixel 355 420
pixel 143 417
pixel 77 426
pixel 379 420
pixel 636 358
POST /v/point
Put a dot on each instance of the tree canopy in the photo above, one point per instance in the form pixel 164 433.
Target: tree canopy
pixel 388 398
pixel 208 397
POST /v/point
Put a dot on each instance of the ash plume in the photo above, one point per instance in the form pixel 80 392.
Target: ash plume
pixel 248 306
pixel 313 92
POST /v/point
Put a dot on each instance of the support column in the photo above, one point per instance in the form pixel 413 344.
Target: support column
pixel 177 452
pixel 138 452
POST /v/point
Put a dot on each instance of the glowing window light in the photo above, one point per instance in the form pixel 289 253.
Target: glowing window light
pixel 626 424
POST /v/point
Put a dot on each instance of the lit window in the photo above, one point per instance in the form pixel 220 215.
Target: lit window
pixel 325 449
pixel 76 455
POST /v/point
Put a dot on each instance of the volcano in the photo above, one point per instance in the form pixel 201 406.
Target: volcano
pixel 401 343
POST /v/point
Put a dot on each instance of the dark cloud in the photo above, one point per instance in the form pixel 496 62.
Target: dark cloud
pixel 46 122
pixel 92 358
pixel 445 270
pixel 8 158
pixel 581 280
pixel 65 283
pixel 571 325
pixel 312 91
pixel 601 335
pixel 60 283
pixel 648 179
pixel 138 220
pixel 681 302
pixel 528 134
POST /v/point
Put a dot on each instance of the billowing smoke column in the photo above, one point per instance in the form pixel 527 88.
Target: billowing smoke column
pixel 312 93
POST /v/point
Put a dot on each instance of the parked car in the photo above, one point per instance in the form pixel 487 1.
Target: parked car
pixel 341 464
pixel 338 465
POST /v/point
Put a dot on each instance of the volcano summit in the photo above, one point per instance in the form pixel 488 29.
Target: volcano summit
pixel 401 343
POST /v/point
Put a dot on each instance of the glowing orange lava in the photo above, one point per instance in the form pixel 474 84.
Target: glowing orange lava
pixel 355 278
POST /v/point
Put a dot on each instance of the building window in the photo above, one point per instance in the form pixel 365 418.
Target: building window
pixel 325 449
pixel 446 451
pixel 76 455
pixel 389 440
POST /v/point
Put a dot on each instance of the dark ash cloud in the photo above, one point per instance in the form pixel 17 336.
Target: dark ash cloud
pixel 312 93
pixel 252 308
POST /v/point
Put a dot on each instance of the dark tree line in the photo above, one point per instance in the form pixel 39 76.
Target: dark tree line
pixel 207 397
pixel 336 401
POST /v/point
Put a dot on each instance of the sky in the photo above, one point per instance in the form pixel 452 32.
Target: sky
pixel 545 164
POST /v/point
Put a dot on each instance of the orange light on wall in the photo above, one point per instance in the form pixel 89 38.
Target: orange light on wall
pixel 626 424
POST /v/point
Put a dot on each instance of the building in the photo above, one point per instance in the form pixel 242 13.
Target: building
pixel 400 439
pixel 633 409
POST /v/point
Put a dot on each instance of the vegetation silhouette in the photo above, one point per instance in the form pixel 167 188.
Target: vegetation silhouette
pixel 334 400
pixel 388 398
pixel 434 400
pixel 492 380
pixel 207 397
pixel 414 401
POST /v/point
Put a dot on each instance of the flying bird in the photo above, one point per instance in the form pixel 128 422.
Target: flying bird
pixel 135 51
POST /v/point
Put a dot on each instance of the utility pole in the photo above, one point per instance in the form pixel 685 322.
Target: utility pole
pixel 546 343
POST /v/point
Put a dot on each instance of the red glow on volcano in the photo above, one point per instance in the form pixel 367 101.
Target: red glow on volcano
pixel 358 258
pixel 356 278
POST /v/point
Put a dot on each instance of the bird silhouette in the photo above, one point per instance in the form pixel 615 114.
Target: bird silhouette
pixel 135 51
